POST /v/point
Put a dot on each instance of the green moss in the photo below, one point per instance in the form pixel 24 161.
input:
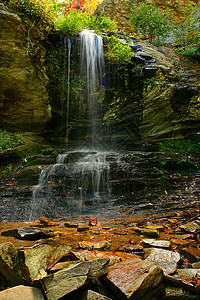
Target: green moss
pixel 9 140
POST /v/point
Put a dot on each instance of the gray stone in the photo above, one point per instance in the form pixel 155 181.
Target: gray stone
pixel 65 281
pixel 187 273
pixel 191 227
pixel 21 292
pixel 72 277
pixel 166 259
pixel 8 256
pixel 196 265
pixel 33 263
pixel 146 231
pixel 175 292
pixel 91 295
pixel 135 279
pixel 30 233
pixel 100 245
pixel 156 243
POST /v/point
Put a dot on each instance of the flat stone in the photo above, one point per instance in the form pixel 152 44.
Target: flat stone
pixel 33 263
pixel 60 266
pixel 181 242
pixel 166 259
pixel 82 228
pixel 187 273
pixel 156 227
pixel 98 267
pixel 91 295
pixel 175 292
pixel 135 249
pixel 70 225
pixel 191 227
pixel 156 243
pixel 146 231
pixel 83 255
pixel 191 253
pixel 21 292
pixel 30 233
pixel 100 245
pixel 135 279
pixel 65 281
pixel 196 265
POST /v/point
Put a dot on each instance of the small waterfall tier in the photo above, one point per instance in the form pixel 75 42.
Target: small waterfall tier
pixel 80 183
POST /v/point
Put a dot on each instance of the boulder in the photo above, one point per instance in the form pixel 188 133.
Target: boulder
pixel 175 292
pixel 156 243
pixel 21 292
pixel 72 278
pixel 8 257
pixel 135 279
pixel 36 261
pixel 166 259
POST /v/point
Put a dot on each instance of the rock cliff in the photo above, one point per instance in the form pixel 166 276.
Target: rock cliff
pixel 24 104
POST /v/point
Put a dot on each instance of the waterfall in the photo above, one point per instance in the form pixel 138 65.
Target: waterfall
pixel 68 87
pixel 91 68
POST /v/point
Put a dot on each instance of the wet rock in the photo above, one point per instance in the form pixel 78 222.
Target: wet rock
pixel 72 277
pixel 156 227
pixel 196 265
pixel 91 295
pixel 22 292
pixel 98 268
pixel 187 273
pixel 191 253
pixel 146 231
pixel 135 249
pixel 70 225
pixel 156 243
pixel 83 255
pixel 65 281
pixel 166 259
pixel 8 257
pixel 44 222
pixel 30 233
pixel 174 292
pixel 181 242
pixel 191 227
pixel 33 263
pixel 60 266
pixel 100 245
pixel 82 228
pixel 135 279
pixel 180 282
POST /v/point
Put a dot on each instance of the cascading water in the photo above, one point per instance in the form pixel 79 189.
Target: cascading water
pixel 65 186
pixel 92 68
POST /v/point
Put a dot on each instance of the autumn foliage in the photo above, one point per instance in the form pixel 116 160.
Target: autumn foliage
pixel 88 6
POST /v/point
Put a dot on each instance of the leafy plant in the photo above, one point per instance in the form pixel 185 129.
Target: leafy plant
pixel 118 53
pixel 149 22
pixel 5 171
pixel 8 140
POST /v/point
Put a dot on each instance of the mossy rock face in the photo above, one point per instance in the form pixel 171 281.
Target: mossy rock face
pixel 24 104
pixel 27 175
pixel 39 160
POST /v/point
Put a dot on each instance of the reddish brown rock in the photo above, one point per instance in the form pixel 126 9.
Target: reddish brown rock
pixel 99 245
pixel 191 253
pixel 135 279
pixel 21 292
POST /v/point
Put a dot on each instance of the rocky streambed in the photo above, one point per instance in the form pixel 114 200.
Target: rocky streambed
pixel 132 258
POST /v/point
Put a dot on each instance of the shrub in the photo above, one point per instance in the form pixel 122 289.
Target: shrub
pixel 8 140
pixel 118 53
pixel 149 22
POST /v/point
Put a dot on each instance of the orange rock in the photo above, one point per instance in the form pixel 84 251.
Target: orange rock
pixel 21 292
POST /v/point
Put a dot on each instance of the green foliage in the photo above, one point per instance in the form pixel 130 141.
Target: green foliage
pixel 8 140
pixel 179 146
pixel 73 22
pixel 118 53
pixel 6 170
pixel 188 37
pixel 102 23
pixel 149 22
pixel 76 20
